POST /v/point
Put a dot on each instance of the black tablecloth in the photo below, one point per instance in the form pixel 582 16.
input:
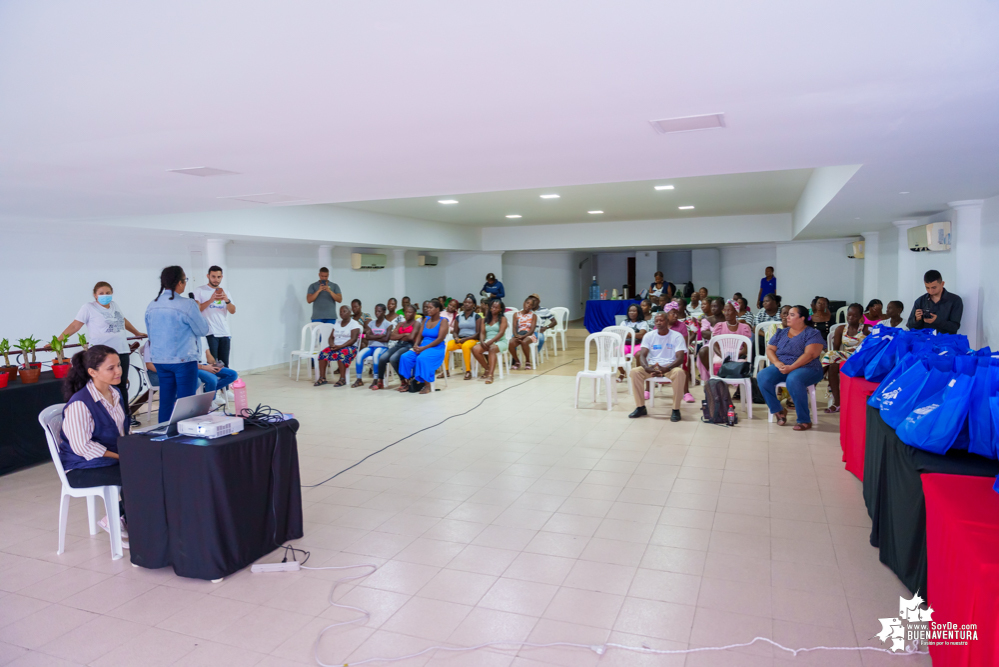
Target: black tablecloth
pixel 213 508
pixel 893 492
pixel 22 440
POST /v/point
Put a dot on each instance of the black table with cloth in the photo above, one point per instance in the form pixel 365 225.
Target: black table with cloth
pixel 211 507
pixel 22 440
pixel 893 493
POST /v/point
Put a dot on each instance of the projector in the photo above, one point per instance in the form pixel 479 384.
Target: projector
pixel 210 426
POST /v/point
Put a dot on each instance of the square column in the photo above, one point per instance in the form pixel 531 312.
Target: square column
pixel 966 243
pixel 872 266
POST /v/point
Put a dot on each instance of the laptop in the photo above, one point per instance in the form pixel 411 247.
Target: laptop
pixel 185 408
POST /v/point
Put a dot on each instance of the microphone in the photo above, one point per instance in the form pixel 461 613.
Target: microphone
pixel 190 295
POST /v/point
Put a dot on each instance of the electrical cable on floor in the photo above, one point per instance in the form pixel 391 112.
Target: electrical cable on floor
pixel 462 414
pixel 599 649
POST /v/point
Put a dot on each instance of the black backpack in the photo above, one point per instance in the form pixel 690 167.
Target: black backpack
pixel 717 404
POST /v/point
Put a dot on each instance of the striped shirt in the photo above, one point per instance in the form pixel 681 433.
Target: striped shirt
pixel 78 424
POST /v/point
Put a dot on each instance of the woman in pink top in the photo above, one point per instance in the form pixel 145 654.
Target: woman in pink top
pixel 731 325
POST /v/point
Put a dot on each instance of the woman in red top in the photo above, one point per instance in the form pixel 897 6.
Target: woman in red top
pixel 400 342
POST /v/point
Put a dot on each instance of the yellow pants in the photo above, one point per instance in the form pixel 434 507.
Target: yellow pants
pixel 466 351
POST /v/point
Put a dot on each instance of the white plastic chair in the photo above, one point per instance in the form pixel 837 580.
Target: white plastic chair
pixel 152 390
pixel 51 420
pixel 831 339
pixel 307 347
pixel 811 403
pixel 561 316
pixel 650 387
pixel 841 314
pixel 729 345
pixel 608 353
pixel 627 335
pixel 762 329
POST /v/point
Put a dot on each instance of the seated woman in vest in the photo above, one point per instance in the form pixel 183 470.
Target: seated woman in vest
pixel 92 420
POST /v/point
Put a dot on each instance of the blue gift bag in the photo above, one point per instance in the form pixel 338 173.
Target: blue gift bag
pixel 874 400
pixel 882 363
pixel 909 391
pixel 981 428
pixel 869 347
pixel 994 409
pixel 936 423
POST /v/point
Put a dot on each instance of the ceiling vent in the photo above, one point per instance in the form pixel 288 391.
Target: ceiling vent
pixel 202 171
pixel 266 198
pixel 689 123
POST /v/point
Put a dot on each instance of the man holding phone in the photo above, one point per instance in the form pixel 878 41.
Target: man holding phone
pixel 937 309
pixel 324 297
pixel 216 305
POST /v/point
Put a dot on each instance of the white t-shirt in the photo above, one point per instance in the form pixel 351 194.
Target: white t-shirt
pixel 341 334
pixel 105 326
pixel 216 313
pixel 663 349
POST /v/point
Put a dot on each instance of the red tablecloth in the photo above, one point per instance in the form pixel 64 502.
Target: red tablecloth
pixel 962 548
pixel 853 395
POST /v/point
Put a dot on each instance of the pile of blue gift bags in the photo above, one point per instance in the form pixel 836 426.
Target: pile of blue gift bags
pixel 935 391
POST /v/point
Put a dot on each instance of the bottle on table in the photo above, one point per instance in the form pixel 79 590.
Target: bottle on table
pixel 594 289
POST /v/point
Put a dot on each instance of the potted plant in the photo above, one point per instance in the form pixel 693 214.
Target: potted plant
pixel 29 371
pixel 60 367
pixel 7 369
pixel 82 339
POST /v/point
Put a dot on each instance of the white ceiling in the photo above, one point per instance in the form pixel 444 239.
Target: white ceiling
pixel 327 102
pixel 728 194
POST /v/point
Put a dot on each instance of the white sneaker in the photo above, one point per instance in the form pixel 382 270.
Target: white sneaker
pixel 218 402
pixel 103 524
pixel 230 395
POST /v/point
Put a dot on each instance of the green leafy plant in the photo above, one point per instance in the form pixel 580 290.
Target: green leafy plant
pixel 5 351
pixel 83 341
pixel 28 346
pixel 57 346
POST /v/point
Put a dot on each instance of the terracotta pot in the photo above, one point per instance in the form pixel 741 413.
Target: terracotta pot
pixel 29 375
pixel 9 371
pixel 61 370
pixel 3 380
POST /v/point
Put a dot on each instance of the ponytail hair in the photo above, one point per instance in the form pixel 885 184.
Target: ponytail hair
pixel 169 277
pixel 78 377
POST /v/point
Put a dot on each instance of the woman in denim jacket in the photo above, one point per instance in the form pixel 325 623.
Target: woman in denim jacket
pixel 174 325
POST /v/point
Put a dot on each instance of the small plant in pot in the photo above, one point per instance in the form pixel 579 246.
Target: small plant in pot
pixel 60 367
pixel 82 340
pixel 7 369
pixel 29 371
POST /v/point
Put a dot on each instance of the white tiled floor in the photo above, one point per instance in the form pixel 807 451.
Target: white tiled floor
pixel 522 520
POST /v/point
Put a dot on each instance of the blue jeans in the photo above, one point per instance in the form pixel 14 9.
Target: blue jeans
pixel 797 381
pixel 541 340
pixel 176 381
pixel 214 382
pixel 364 354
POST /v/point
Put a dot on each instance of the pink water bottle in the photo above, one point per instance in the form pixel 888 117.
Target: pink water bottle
pixel 239 392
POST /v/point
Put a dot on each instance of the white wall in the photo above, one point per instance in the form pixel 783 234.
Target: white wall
pixel 806 269
pixel 743 266
pixel 888 269
pixel 466 272
pixel 676 266
pixel 612 270
pixel 706 269
pixel 553 276
pixel 646 265
pixel 989 313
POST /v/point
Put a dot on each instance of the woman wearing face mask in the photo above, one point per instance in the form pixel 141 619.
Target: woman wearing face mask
pixel 106 325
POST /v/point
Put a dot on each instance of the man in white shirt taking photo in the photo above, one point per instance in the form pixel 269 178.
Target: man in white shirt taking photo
pixel 661 355
pixel 216 305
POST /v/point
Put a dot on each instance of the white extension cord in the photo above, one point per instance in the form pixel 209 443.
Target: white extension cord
pixel 599 649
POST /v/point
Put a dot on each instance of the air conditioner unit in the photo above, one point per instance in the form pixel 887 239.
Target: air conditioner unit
pixel 426 260
pixel 365 261
pixel 855 250
pixel 930 238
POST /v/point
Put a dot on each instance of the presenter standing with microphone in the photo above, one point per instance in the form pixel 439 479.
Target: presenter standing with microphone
pixel 174 324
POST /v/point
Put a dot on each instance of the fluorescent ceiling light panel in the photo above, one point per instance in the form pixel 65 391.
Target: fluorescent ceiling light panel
pixel 266 198
pixel 202 171
pixel 594 212
pixel 514 216
pixel 447 201
pixel 685 208
pixel 664 187
pixel 709 121
pixel 549 196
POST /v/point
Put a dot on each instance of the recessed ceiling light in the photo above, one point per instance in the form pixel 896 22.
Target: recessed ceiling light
pixel 904 193
pixel 687 123
pixel 202 171
pixel 549 196
pixel 685 208
pixel 266 198
pixel 447 201
pixel 664 187
pixel 594 212
pixel 514 216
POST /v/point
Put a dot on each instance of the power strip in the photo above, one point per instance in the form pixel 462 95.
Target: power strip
pixel 290 566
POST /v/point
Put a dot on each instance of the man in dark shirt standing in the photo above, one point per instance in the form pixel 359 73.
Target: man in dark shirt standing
pixel 937 309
